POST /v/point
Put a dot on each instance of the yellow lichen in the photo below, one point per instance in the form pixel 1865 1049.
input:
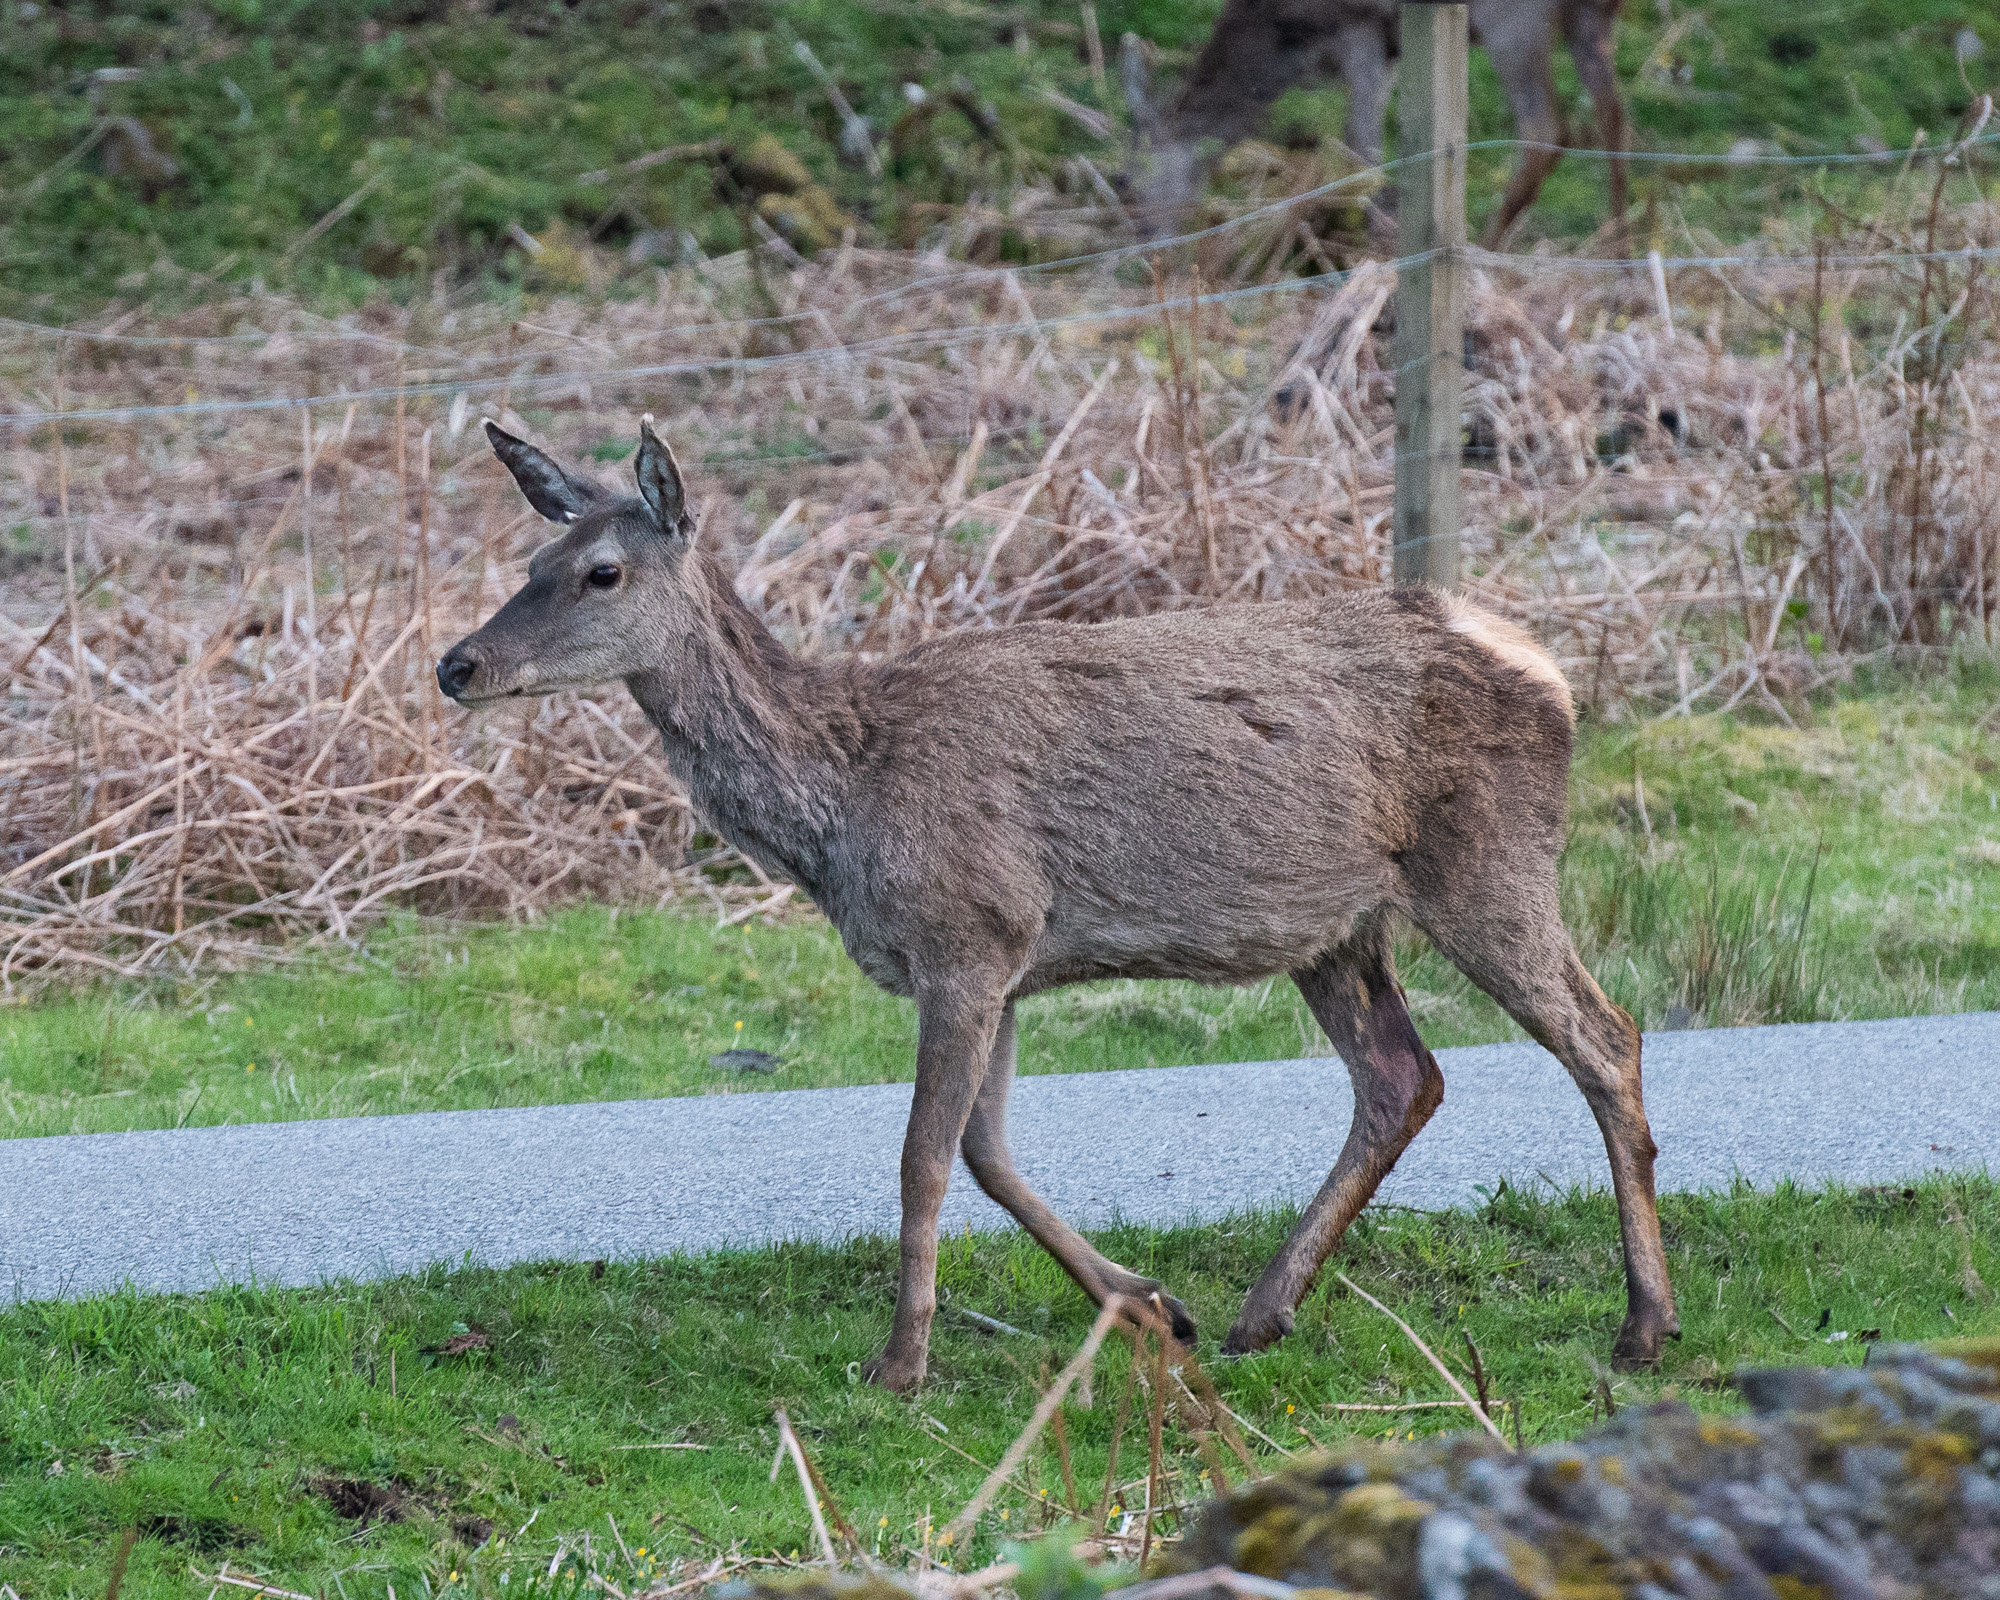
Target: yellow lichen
pixel 767 167
pixel 809 218
pixel 1265 1546
pixel 1936 1457
pixel 1973 1352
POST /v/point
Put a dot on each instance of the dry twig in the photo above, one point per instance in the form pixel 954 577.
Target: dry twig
pixel 1429 1355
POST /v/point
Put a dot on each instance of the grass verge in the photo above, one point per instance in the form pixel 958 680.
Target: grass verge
pixel 257 1426
pixel 1718 873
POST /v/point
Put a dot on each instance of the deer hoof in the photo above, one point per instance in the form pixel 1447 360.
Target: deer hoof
pixel 1257 1330
pixel 1639 1342
pixel 1180 1320
pixel 897 1373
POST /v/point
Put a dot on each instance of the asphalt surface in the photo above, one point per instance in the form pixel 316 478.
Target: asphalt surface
pixel 302 1202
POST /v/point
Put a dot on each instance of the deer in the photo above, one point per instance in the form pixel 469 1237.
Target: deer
pixel 1260 48
pixel 1211 794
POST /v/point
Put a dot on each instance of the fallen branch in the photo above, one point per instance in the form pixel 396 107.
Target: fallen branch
pixel 254 1585
pixel 1429 1355
pixel 1410 1405
pixel 950 1586
pixel 758 908
pixel 1184 1584
pixel 991 1324
pixel 790 1441
pixel 707 150
pixel 306 240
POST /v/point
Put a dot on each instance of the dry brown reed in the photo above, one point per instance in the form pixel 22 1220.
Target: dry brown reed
pixel 1700 485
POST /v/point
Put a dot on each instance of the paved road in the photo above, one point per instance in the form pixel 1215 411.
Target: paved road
pixel 299 1202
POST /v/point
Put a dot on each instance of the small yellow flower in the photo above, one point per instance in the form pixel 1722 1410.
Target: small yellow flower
pixel 252 1067
pixel 883 1523
pixel 1289 1409
pixel 1003 1515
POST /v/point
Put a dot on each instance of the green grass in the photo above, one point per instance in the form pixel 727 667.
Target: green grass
pixel 276 111
pixel 1850 868
pixel 210 1422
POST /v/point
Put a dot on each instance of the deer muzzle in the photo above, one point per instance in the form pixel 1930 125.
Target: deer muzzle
pixel 456 670
pixel 466 673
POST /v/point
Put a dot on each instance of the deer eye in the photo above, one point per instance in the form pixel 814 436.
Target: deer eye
pixel 605 576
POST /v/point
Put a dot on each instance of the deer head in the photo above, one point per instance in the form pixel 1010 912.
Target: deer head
pixel 610 598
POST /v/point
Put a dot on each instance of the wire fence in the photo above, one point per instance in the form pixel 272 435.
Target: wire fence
pixel 236 539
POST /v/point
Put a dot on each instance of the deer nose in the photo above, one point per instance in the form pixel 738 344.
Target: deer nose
pixel 455 671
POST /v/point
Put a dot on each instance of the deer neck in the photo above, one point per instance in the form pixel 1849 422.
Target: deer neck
pixel 762 740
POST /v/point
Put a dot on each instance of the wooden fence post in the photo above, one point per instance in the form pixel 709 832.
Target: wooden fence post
pixel 1430 292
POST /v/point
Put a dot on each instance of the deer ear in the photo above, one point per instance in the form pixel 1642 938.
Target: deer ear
pixel 660 483
pixel 558 495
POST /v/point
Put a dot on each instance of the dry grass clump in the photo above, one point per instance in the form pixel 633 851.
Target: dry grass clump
pixel 1699 487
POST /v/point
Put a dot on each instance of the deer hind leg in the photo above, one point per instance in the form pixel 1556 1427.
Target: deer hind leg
pixel 1591 40
pixel 1361 51
pixel 1521 59
pixel 986 1154
pixel 1353 992
pixel 1515 947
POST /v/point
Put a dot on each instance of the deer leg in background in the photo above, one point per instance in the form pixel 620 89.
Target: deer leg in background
pixel 1360 49
pixel 985 1149
pixel 1256 51
pixel 1353 992
pixel 1519 46
pixel 1515 947
pixel 1591 31
pixel 956 1025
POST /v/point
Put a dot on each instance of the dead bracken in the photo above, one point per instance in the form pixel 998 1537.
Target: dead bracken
pixel 224 738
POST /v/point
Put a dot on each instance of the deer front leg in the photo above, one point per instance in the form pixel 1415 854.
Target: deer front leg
pixel 955 1032
pixel 992 1165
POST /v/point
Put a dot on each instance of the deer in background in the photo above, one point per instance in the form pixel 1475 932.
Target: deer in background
pixel 1259 48
pixel 1216 795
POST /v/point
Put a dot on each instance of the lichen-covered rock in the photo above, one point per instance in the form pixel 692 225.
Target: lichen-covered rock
pixel 1844 1484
